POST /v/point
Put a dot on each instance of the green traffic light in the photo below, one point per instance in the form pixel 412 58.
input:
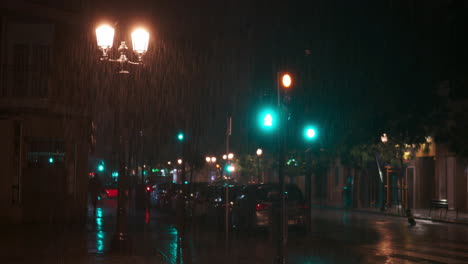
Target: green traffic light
pixel 180 136
pixel 101 167
pixel 51 160
pixel 230 168
pixel 268 119
pixel 310 133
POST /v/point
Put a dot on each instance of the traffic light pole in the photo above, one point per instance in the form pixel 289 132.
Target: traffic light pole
pixel 282 214
pixel 228 134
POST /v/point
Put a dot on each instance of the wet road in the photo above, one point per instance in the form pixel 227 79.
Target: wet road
pixel 337 237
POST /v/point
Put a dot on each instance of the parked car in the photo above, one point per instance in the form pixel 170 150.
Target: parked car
pixel 111 190
pixel 160 195
pixel 216 206
pixel 253 207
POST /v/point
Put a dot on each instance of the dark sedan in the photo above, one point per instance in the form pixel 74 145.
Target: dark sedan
pixel 255 204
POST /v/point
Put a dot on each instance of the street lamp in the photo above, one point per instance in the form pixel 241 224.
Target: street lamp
pixel 259 152
pixel 230 156
pixel 179 161
pixel 105 40
pixel 384 138
pixel 213 159
pixel 259 176
pixel 208 159
pixel 224 156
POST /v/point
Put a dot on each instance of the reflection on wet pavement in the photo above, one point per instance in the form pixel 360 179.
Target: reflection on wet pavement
pixel 336 237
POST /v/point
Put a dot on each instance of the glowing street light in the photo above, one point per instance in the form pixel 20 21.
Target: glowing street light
pixel 224 156
pixel 105 39
pixel 179 161
pixel 140 39
pixel 384 138
pixel 208 159
pixel 259 152
pixel 230 156
pixel 213 159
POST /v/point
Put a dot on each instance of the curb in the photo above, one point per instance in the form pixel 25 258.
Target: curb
pixel 395 215
pixel 415 217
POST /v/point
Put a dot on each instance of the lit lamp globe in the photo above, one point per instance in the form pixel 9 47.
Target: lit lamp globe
pixel 208 159
pixel 105 38
pixel 259 152
pixel 140 39
pixel 384 138
pixel 230 156
pixel 213 159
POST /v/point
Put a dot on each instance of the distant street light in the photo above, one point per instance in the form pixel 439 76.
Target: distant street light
pixel 224 156
pixel 105 39
pixel 384 138
pixel 259 152
pixel 213 159
pixel 169 163
pixel 259 175
pixel 208 159
pixel 179 161
pixel 230 156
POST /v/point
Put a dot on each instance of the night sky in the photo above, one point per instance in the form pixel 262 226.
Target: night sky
pixel 357 66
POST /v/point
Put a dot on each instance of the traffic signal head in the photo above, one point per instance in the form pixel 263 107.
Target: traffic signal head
pixel 180 136
pixel 268 119
pixel 51 160
pixel 230 168
pixel 286 80
pixel 310 133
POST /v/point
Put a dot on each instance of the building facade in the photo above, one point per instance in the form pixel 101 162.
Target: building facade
pixel 44 132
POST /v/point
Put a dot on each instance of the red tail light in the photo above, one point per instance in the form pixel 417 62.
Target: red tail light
pixel 261 207
pixel 148 188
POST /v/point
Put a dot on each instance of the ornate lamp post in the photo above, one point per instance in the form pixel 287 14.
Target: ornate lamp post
pixel 105 40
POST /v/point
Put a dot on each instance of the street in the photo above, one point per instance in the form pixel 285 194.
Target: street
pixel 337 237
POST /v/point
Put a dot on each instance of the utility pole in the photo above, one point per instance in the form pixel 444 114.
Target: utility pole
pixel 228 134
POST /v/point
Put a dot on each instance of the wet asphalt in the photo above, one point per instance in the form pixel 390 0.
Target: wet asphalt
pixel 336 236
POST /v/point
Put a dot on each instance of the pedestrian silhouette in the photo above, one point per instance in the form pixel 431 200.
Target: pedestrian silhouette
pixel 410 216
pixel 95 188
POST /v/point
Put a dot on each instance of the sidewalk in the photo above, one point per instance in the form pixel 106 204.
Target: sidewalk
pixel 436 215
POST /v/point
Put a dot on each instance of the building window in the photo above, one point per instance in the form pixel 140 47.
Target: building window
pixel 20 70
pixel 40 60
pixel 46 153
